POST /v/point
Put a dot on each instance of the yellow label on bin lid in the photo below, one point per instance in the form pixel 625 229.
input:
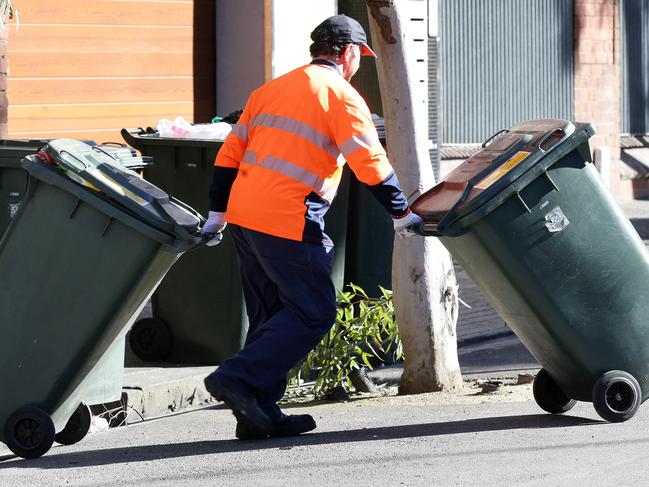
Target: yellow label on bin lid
pixel 511 163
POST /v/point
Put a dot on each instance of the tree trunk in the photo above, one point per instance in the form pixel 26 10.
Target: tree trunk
pixel 423 278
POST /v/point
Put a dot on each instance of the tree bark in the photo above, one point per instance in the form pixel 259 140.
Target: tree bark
pixel 423 278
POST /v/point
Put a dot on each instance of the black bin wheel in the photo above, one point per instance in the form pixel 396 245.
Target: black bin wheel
pixel 29 432
pixel 549 396
pixel 77 426
pixel 617 396
pixel 150 339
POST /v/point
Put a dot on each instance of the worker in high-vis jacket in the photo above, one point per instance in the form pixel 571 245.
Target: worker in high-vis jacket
pixel 275 177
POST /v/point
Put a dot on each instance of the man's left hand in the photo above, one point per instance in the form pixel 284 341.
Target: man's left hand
pixel 213 228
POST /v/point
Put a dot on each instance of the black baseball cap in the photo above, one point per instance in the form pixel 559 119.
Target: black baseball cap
pixel 341 29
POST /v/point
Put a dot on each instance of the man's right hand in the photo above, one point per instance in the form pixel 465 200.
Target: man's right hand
pixel 213 228
pixel 407 225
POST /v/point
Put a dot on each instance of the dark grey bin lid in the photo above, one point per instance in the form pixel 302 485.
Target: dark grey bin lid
pixel 99 171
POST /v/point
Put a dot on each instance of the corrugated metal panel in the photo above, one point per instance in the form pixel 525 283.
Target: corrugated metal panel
pixel 503 61
pixel 433 86
pixel 634 16
pixel 433 103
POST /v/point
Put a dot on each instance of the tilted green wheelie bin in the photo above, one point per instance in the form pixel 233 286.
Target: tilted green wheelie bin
pixel 105 380
pixel 531 222
pixel 198 311
pixel 85 251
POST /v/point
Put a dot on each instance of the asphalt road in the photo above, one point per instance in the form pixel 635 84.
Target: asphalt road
pixel 411 440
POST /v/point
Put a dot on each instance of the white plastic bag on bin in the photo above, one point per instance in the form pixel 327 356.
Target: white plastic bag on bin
pixel 180 128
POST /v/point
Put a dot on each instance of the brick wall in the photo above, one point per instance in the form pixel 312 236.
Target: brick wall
pixel 597 79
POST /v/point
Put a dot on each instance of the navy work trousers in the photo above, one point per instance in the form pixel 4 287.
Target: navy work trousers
pixel 291 304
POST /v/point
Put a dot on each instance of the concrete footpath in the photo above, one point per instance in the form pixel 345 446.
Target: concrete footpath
pixel 487 349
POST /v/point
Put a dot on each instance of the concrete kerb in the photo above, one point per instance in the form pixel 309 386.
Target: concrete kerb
pixel 151 392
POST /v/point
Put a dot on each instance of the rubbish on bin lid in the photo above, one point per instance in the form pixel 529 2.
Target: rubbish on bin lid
pixel 177 128
pixel 231 118
pixel 48 158
pixel 210 131
pixel 182 129
pixel 555 221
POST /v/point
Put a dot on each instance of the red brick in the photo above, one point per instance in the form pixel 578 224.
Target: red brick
pixel 593 45
pixel 593 33
pixel 594 58
pixel 596 2
pixel 595 23
pixel 591 9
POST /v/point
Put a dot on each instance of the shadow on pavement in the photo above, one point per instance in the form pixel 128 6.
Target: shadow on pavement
pixel 176 450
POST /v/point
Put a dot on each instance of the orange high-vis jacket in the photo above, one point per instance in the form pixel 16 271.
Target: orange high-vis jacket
pixel 294 136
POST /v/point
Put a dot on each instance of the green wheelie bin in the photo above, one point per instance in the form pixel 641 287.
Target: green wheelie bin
pixel 106 379
pixel 85 251
pixel 13 178
pixel 198 310
pixel 531 222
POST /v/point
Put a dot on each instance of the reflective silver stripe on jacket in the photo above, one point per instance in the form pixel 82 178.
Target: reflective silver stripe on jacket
pixel 250 157
pixel 241 131
pixel 298 128
pixel 367 140
pixel 324 187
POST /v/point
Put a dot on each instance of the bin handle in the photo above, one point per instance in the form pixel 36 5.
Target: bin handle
pixel 100 149
pixel 187 208
pixel 548 135
pixel 113 144
pixel 428 229
pixel 83 164
pixel 131 136
pixel 484 144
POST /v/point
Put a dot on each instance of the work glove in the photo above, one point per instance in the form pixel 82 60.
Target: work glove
pixel 407 225
pixel 212 230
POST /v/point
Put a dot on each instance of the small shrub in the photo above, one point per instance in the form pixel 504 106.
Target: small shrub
pixel 365 332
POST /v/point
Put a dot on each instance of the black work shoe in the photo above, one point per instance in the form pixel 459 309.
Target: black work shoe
pixel 242 404
pixel 290 425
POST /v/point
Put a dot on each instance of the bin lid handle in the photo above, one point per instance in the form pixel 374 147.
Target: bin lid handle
pixel 484 144
pixel 560 133
pixel 82 166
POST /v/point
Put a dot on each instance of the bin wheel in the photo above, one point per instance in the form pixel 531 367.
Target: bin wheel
pixel 77 426
pixel 29 432
pixel 150 339
pixel 617 396
pixel 549 396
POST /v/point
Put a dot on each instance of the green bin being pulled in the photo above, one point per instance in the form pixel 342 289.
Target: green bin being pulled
pixel 106 379
pixel 85 250
pixel 198 311
pixel 530 220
